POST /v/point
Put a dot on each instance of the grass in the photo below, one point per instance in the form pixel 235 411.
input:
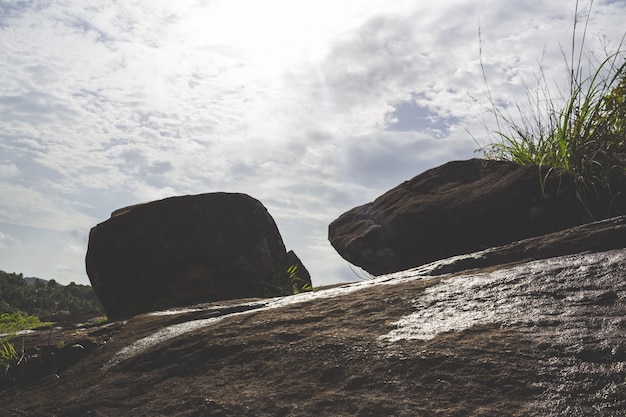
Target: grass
pixel 299 285
pixel 8 355
pixel 582 132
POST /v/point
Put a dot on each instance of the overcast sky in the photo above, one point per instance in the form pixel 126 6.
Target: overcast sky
pixel 311 107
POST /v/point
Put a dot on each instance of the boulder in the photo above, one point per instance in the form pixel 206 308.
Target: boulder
pixel 457 208
pixel 186 250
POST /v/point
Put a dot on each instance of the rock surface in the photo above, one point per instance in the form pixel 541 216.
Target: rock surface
pixel 460 207
pixel 519 333
pixel 186 250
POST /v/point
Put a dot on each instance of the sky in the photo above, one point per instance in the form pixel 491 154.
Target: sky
pixel 312 108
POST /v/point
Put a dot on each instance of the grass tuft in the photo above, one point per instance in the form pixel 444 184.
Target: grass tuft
pixel 298 283
pixel 582 132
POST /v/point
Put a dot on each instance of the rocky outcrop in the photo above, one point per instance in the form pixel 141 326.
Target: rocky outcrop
pixel 185 250
pixel 460 207
pixel 533 328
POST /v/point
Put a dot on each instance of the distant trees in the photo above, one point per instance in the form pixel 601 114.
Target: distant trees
pixel 41 299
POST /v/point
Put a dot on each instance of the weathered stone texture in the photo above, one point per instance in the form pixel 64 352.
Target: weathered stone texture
pixel 460 207
pixel 185 250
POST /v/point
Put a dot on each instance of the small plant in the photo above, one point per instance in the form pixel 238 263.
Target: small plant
pixel 585 136
pixel 298 283
pixel 8 355
pixel 7 350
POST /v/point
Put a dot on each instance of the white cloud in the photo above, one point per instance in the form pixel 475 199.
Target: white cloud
pixel 9 170
pixel 6 240
pixel 29 207
pixel 45 253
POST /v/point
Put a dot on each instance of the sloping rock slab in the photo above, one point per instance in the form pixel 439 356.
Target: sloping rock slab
pixel 532 340
pixel 538 338
pixel 460 207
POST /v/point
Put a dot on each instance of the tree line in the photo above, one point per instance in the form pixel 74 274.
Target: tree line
pixel 43 298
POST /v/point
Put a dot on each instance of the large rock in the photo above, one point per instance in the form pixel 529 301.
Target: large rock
pixel 185 250
pixel 457 208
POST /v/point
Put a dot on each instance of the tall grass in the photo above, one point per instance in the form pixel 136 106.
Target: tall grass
pixel 581 132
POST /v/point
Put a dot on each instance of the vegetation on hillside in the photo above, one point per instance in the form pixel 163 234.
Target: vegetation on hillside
pixel 16 321
pixel 45 298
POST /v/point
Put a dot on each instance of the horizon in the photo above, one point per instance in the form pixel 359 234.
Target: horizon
pixel 312 109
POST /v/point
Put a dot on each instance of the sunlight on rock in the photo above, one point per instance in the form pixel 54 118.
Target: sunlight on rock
pixel 176 330
pixel 523 295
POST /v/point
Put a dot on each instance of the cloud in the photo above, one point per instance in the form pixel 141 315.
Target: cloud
pixel 7 240
pixel 312 110
pixel 8 170
pixel 29 207
pixel 45 253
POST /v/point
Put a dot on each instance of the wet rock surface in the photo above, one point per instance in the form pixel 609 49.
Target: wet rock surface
pixel 525 337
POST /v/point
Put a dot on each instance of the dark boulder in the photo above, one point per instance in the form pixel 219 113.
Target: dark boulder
pixel 457 208
pixel 186 250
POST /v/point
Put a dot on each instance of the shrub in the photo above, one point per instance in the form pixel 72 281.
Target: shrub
pixel 16 321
